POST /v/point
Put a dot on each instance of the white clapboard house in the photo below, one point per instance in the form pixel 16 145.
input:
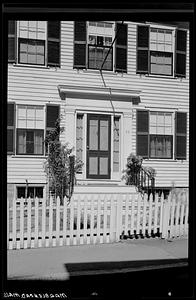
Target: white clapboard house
pixel 121 88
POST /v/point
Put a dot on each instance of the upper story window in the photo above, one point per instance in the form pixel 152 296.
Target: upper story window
pixel 31 42
pixel 161 51
pixel 100 35
pixel 34 42
pixel 94 47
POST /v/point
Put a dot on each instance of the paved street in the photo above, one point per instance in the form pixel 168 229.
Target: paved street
pixel 59 263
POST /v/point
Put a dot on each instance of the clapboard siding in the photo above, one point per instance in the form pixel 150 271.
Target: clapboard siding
pixel 39 85
pixel 21 168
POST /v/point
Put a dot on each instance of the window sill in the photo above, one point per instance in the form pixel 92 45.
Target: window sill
pixel 95 71
pixel 161 76
pixel 31 66
pixel 27 156
pixel 165 160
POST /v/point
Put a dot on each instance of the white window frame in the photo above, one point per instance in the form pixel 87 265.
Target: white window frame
pixel 173 131
pixel 16 127
pixel 113 52
pixel 164 27
pixel 17 48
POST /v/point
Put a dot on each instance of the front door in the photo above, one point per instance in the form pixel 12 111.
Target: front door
pixel 98 146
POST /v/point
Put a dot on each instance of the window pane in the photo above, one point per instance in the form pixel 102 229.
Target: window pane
pixel 160 146
pixel 93 135
pixel 39 192
pixel 103 165
pixel 23 58
pixel 104 135
pixel 32 59
pixel 31 192
pixel 21 142
pixel 39 134
pixel 20 192
pixel 29 142
pixel 93 165
pixel 32 34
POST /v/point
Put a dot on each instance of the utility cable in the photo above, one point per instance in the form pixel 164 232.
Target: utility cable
pixel 104 83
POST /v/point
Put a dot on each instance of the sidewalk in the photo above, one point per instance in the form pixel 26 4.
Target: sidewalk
pixel 59 263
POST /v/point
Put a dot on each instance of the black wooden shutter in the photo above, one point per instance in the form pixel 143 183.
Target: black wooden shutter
pixel 79 45
pixel 52 114
pixel 180 53
pixel 142 133
pixel 121 48
pixel 10 128
pixel 53 43
pixel 180 135
pixel 11 41
pixel 142 49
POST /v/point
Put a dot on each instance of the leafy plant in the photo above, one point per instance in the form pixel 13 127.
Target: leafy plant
pixel 57 165
pixel 133 168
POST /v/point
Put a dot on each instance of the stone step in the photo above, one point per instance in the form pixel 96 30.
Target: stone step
pixel 101 189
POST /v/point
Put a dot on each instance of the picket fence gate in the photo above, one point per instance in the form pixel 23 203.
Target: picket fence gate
pixel 94 218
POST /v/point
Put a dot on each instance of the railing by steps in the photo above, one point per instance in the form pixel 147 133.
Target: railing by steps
pixel 142 180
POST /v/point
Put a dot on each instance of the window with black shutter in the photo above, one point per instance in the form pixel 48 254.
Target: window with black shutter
pixel 121 48
pixel 180 54
pixel 53 43
pixel 142 49
pixel 80 44
pixel 94 46
pixel 156 53
pixel 37 42
pixel 11 41
pixel 142 133
pixel 10 128
pixel 180 135
pixel 52 114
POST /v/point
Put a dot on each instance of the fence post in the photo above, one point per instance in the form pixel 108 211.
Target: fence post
pixel 165 218
pixel 119 217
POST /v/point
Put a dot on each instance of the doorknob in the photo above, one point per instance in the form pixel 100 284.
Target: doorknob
pixel 87 147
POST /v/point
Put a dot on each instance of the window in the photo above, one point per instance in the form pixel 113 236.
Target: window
pixel 93 43
pixel 161 135
pixel 155 134
pixel 99 41
pixel 31 42
pixel 161 51
pixel 30 129
pixel 37 42
pixel 30 191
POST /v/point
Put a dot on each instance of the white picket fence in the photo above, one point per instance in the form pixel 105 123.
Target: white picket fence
pixel 94 218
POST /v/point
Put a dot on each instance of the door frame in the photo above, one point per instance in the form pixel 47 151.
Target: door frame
pixel 98 153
